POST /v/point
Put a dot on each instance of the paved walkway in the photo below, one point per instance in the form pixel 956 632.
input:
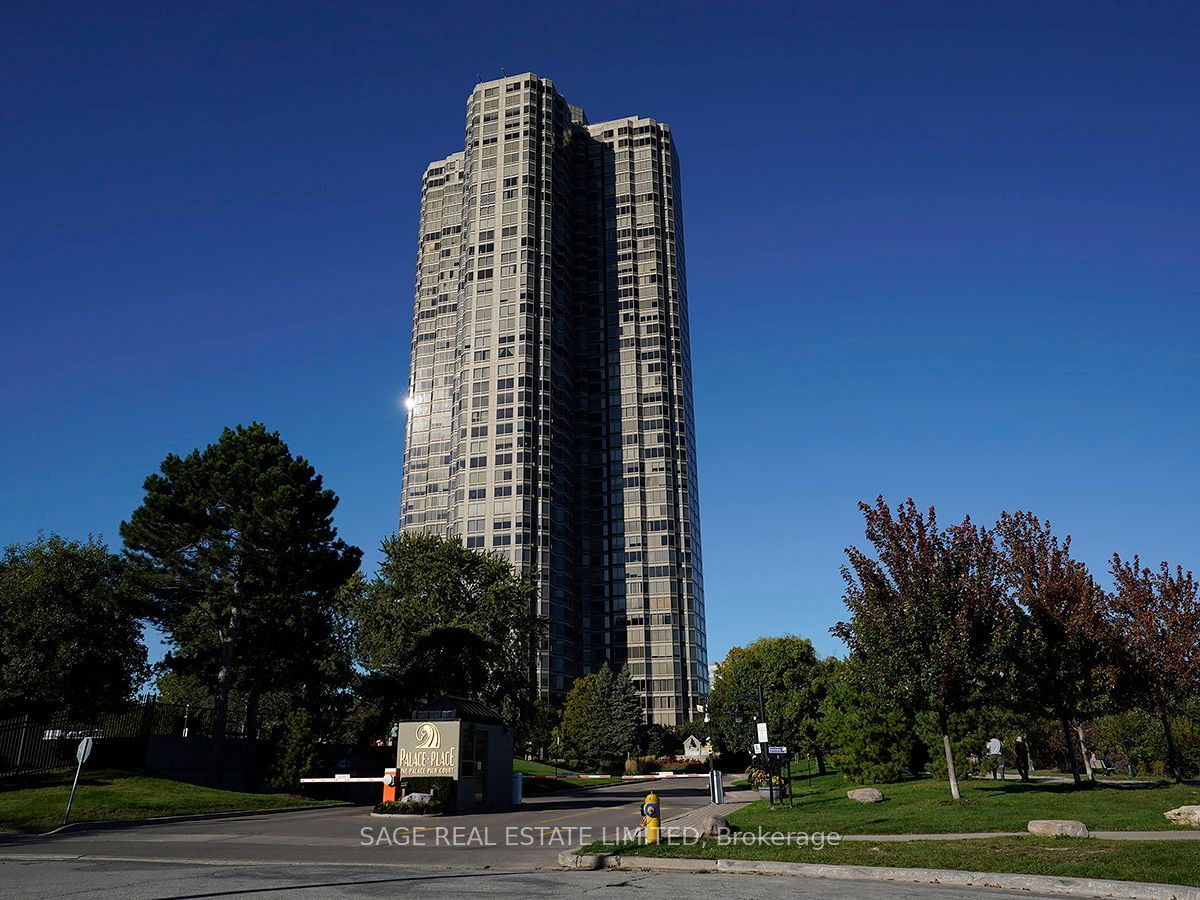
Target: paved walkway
pixel 693 821
pixel 978 835
pixel 1117 781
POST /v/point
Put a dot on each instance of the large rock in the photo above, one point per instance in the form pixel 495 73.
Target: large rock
pixel 715 826
pixel 1184 815
pixel 1058 828
pixel 866 795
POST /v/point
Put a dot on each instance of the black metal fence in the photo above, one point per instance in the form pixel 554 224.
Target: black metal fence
pixel 33 744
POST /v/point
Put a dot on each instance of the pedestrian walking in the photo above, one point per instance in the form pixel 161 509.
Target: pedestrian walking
pixel 995 752
pixel 1022 751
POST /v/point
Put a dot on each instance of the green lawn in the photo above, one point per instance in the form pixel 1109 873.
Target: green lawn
pixel 924 806
pixel 1170 862
pixel 550 785
pixel 36 804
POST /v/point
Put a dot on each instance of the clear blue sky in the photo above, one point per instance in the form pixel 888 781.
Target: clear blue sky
pixel 948 251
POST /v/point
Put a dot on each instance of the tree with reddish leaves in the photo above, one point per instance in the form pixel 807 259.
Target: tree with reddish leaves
pixel 1063 654
pixel 1157 619
pixel 929 620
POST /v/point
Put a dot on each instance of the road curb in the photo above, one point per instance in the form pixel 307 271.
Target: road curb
pixel 1047 884
pixel 165 820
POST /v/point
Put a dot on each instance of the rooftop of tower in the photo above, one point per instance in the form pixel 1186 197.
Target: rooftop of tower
pixel 577 112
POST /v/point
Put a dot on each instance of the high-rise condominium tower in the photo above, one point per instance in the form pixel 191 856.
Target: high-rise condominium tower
pixel 550 388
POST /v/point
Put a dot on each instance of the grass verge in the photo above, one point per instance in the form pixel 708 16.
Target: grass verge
pixel 925 806
pixel 1169 862
pixel 36 804
pixel 558 782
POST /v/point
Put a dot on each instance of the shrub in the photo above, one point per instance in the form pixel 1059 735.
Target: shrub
pixel 673 764
pixel 611 765
pixel 760 777
pixel 641 765
pixel 411 808
pixel 1134 740
pixel 439 787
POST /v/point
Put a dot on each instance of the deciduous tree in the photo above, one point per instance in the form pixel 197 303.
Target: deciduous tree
pixel 440 618
pixel 1157 618
pixel 793 685
pixel 1062 660
pixel 928 618
pixel 70 639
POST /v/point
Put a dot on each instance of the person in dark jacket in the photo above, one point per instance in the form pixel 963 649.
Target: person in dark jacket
pixel 1022 751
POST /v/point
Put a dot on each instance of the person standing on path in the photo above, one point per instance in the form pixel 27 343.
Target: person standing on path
pixel 995 752
pixel 1022 751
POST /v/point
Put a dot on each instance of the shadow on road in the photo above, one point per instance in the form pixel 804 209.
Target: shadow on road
pixel 356 882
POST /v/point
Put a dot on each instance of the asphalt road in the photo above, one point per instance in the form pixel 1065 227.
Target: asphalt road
pixel 526 838
pixel 135 881
pixel 345 851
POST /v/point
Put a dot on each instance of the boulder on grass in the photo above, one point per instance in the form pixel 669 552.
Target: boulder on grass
pixel 1184 815
pixel 1058 828
pixel 715 826
pixel 866 795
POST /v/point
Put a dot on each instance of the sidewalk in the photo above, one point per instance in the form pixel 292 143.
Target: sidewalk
pixel 693 822
pixel 977 835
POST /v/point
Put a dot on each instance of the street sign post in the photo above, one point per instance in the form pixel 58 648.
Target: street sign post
pixel 774 751
pixel 82 752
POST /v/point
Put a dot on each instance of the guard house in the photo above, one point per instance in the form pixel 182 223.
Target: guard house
pixel 464 740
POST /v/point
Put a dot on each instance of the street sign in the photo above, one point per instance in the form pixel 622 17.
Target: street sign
pixel 758 749
pixel 777 749
pixel 762 732
pixel 82 752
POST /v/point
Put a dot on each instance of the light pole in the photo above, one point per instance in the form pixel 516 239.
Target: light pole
pixel 712 785
pixel 764 748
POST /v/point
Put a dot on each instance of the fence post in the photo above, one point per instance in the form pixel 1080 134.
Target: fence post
pixel 21 743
